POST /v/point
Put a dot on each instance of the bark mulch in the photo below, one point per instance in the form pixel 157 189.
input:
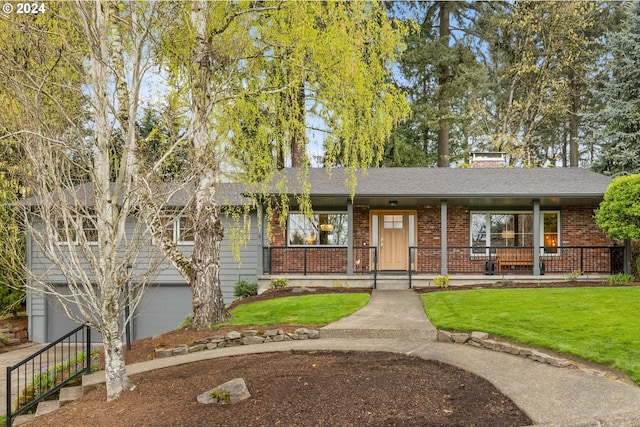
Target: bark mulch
pixel 323 388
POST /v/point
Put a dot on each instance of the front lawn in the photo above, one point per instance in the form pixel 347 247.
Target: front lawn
pixel 597 324
pixel 300 310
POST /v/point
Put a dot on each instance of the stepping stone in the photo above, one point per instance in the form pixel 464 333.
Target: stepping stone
pixel 69 394
pixel 46 407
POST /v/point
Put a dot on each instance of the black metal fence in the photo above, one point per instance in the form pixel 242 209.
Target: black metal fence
pixel 307 260
pixel 45 372
pixel 517 260
pixel 318 260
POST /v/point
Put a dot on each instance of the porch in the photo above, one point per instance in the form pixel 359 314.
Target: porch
pixel 358 266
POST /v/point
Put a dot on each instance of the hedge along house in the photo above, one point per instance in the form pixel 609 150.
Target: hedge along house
pixel 168 301
pixel 405 226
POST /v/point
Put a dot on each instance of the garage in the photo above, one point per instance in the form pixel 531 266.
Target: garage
pixel 161 309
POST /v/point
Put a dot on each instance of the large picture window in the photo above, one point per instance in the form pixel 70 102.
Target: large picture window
pixel 325 229
pixel 513 229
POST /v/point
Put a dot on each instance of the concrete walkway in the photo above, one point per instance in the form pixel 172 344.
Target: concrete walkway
pixel 394 321
pixel 11 358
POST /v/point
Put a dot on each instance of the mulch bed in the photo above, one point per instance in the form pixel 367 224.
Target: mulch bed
pixel 302 388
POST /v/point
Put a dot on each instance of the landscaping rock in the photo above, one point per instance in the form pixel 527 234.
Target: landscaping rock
pixel 181 349
pixel 252 340
pixel 314 334
pixel 227 393
pixel 233 335
pixel 197 347
pixel 479 336
pixel 250 333
pixel 460 338
pixel 444 336
pixel 163 352
pixel 273 332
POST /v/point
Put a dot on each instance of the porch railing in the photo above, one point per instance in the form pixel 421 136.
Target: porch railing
pixel 487 260
pixel 47 371
pixel 460 260
pixel 307 260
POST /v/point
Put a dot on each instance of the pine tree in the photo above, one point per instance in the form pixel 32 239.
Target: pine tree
pixel 620 135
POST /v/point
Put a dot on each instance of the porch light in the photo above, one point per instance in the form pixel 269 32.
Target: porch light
pixel 326 227
pixel 393 203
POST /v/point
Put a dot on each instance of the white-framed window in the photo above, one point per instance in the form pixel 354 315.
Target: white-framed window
pixel 321 229
pixel 70 232
pixel 513 229
pixel 180 229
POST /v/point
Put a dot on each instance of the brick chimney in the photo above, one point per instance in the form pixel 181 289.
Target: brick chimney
pixel 488 160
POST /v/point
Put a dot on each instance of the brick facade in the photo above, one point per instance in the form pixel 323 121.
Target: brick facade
pixel 578 228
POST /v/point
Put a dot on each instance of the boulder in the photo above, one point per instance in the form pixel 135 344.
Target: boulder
pixel 230 392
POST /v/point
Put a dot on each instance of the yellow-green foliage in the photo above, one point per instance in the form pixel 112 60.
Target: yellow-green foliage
pixel 441 281
pixel 278 283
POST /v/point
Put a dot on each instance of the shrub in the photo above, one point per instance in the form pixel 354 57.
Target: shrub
pixel 441 281
pixel 278 283
pixel 572 275
pixel 619 279
pixel 244 289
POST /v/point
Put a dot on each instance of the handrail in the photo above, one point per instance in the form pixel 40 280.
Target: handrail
pixel 34 379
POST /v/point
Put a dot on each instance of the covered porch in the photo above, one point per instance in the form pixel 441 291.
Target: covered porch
pixel 420 223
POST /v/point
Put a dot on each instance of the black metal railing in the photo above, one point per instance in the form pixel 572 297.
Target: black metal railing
pixel 307 260
pixel 45 372
pixel 510 260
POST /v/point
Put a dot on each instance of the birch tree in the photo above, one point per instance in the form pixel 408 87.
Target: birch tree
pixel 72 92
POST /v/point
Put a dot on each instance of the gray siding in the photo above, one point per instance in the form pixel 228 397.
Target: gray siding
pixel 149 320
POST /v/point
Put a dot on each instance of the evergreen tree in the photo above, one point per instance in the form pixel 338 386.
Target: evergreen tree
pixel 620 116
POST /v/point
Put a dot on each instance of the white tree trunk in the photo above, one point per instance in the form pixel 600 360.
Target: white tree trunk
pixel 116 376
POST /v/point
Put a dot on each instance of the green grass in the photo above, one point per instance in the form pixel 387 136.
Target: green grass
pixel 299 310
pixel 597 324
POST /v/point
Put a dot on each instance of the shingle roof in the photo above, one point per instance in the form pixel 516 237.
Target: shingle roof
pixel 449 182
pixel 229 194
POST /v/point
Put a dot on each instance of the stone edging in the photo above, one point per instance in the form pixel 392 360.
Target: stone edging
pixel 235 338
pixel 481 339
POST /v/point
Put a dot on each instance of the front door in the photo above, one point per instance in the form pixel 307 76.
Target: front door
pixel 393 241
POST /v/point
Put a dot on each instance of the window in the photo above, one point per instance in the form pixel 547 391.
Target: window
pixel 180 230
pixel 184 230
pixel 327 229
pixel 69 232
pixel 393 221
pixel 512 229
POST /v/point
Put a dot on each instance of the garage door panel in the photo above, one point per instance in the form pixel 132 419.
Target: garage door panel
pixel 161 309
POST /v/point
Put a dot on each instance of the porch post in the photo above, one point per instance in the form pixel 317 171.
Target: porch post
pixel 536 237
pixel 350 238
pixel 443 238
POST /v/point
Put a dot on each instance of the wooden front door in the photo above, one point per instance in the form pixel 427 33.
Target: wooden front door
pixel 393 241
